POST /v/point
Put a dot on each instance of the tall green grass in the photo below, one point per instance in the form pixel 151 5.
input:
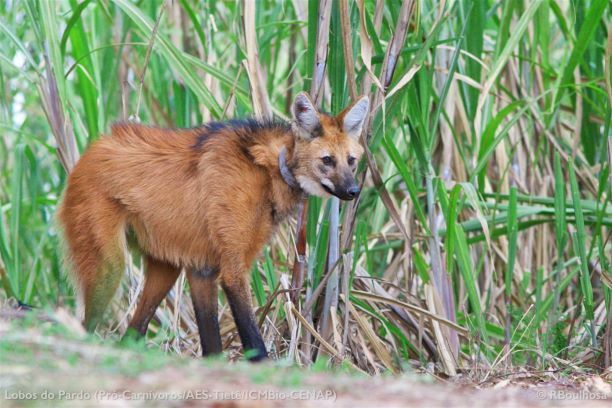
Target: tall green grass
pixel 482 235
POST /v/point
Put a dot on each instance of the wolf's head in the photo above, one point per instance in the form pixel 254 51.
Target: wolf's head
pixel 327 148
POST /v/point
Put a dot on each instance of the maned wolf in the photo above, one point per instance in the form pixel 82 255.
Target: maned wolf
pixel 205 200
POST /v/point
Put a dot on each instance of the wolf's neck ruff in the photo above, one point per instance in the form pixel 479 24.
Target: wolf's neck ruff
pixel 285 171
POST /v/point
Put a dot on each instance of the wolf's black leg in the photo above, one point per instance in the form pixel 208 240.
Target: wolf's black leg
pixel 239 298
pixel 204 294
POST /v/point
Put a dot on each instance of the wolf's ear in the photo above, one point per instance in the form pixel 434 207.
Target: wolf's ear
pixel 306 117
pixel 354 116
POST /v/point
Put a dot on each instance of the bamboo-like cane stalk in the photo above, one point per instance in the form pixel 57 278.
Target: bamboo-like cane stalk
pixel 316 94
pixel 259 94
pixel 388 67
pixel 318 80
pixel 299 265
pixel 347 45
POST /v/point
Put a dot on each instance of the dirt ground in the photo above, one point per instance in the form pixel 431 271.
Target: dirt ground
pixel 190 386
pixel 42 367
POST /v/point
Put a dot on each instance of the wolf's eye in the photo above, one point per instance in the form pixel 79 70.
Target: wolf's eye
pixel 351 160
pixel 327 160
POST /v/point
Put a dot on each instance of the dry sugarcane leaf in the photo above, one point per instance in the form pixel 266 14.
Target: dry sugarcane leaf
pixel 445 353
pixel 366 46
pixel 376 288
pixel 466 53
pixel 328 347
pixel 404 81
pixel 67 149
pixel 335 324
pixel 379 348
pixel 370 296
pixel 294 326
pixel 368 355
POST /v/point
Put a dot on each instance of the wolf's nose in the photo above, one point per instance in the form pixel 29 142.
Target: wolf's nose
pixel 353 191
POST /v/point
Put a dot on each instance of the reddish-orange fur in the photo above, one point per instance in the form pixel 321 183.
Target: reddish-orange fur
pixel 200 198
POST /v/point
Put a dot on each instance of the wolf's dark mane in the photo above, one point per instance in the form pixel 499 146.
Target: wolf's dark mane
pixel 247 129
